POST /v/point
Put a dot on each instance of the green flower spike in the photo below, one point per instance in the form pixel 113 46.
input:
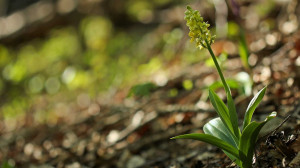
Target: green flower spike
pixel 198 28
pixel 199 32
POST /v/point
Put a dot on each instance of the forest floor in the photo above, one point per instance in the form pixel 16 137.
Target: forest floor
pixel 136 132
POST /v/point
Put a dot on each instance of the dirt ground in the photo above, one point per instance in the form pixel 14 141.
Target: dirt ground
pixel 135 132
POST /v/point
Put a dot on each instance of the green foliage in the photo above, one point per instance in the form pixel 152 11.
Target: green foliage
pixel 233 29
pixel 241 82
pixel 232 83
pixel 211 140
pixel 173 92
pixel 252 106
pixel 262 8
pixel 93 58
pixel 95 39
pixel 243 50
pixel 142 89
pixel 216 128
pixel 224 113
pixel 4 56
pixel 221 59
pixel 223 131
pixel 5 164
pixel 187 84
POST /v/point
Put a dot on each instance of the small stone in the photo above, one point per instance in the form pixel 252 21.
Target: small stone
pixel 135 161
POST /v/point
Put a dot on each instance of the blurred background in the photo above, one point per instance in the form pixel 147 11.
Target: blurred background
pixel 62 61
pixel 58 56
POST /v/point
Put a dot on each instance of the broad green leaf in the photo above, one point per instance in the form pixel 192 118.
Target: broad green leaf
pixel 211 140
pixel 221 109
pixel 252 106
pixel 238 161
pixel 225 114
pixel 217 128
pixel 233 115
pixel 248 140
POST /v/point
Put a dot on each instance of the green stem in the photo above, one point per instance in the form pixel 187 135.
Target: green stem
pixel 226 87
pixel 231 106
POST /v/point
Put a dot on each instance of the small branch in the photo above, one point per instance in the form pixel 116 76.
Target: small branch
pixel 276 129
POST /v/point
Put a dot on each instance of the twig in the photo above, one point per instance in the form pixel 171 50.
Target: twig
pixel 276 129
pixel 271 133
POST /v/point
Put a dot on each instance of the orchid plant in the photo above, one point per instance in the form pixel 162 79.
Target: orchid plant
pixel 224 131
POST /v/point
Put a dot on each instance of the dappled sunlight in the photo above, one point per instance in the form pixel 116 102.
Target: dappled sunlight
pixel 89 83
